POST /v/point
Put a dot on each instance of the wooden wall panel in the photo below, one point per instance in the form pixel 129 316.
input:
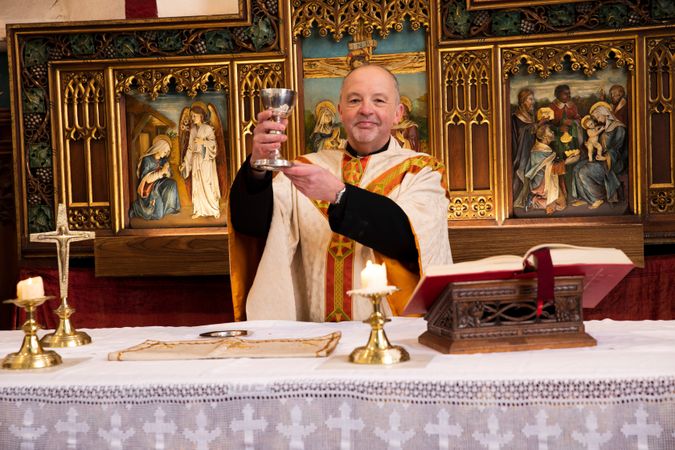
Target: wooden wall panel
pixel 469 243
pixel 467 120
pixel 468 68
pixel 660 164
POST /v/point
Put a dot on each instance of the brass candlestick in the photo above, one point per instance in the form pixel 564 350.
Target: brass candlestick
pixel 65 334
pixel 31 355
pixel 378 350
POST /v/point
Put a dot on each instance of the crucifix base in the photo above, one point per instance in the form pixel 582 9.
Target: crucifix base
pixel 65 334
pixel 500 316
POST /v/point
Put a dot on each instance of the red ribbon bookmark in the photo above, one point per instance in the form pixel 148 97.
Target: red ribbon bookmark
pixel 544 264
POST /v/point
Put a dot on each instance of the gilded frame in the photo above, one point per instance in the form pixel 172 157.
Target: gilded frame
pixel 227 88
pixel 497 4
pixel 98 160
pixel 39 54
pixel 564 63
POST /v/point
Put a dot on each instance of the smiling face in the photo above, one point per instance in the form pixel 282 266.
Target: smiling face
pixel 369 107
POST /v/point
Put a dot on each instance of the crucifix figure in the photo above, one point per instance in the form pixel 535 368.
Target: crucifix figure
pixel 65 335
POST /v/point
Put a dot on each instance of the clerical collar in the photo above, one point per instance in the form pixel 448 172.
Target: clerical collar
pixel 354 154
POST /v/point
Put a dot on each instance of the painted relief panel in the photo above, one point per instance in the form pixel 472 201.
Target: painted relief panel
pixel 177 160
pixel 570 135
pixel 326 62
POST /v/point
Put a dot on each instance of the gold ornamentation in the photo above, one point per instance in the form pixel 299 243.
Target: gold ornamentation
pixel 340 17
pixel 659 96
pixel 467 96
pixel 83 121
pixel 660 61
pixel 89 217
pixel 661 201
pixel 337 67
pixel 482 207
pixel 464 207
pixel 588 56
pixel 458 208
pixel 253 77
pixel 191 80
pixel 467 111
pixel 84 106
pixel 566 138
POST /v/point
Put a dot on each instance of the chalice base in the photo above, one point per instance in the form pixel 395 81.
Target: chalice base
pixel 271 164
pixel 382 356
pixel 28 360
pixel 74 339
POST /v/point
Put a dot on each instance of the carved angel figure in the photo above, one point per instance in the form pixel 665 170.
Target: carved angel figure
pixel 202 158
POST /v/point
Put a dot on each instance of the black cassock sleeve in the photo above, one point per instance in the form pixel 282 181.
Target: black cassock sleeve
pixel 375 221
pixel 251 202
pixel 372 220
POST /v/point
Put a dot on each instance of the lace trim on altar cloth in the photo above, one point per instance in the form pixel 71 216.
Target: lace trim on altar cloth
pixel 468 393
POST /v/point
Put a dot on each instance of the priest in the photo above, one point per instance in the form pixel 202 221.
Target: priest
pixel 299 238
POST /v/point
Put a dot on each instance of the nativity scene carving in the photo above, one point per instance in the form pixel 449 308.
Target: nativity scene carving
pixel 569 146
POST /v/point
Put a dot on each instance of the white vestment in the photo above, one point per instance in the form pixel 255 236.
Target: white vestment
pixel 302 265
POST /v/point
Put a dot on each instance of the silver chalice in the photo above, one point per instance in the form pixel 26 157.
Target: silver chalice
pixel 281 101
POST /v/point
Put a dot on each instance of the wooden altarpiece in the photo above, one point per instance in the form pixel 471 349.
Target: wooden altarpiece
pixel 74 86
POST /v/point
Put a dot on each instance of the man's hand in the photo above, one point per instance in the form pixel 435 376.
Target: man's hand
pixel 315 182
pixel 264 143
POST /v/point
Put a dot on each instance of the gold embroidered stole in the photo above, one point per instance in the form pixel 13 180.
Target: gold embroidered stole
pixel 340 251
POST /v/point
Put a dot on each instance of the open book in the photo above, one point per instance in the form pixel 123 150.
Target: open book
pixel 602 269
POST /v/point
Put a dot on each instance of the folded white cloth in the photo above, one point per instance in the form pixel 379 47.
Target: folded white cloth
pixel 232 347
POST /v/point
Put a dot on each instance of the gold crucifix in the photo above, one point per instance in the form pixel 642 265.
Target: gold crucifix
pixel 65 335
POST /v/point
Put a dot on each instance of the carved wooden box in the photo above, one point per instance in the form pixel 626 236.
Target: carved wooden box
pixel 500 315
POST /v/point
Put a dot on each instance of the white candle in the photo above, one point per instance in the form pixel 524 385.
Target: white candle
pixel 30 288
pixel 373 276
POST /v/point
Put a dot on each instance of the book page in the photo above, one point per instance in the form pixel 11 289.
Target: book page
pixel 564 254
pixel 491 264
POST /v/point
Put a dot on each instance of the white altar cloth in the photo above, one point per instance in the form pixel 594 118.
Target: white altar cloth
pixel 620 394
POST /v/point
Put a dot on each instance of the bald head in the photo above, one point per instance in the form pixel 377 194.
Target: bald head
pixel 375 68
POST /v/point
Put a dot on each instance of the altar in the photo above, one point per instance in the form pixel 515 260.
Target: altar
pixel 619 394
